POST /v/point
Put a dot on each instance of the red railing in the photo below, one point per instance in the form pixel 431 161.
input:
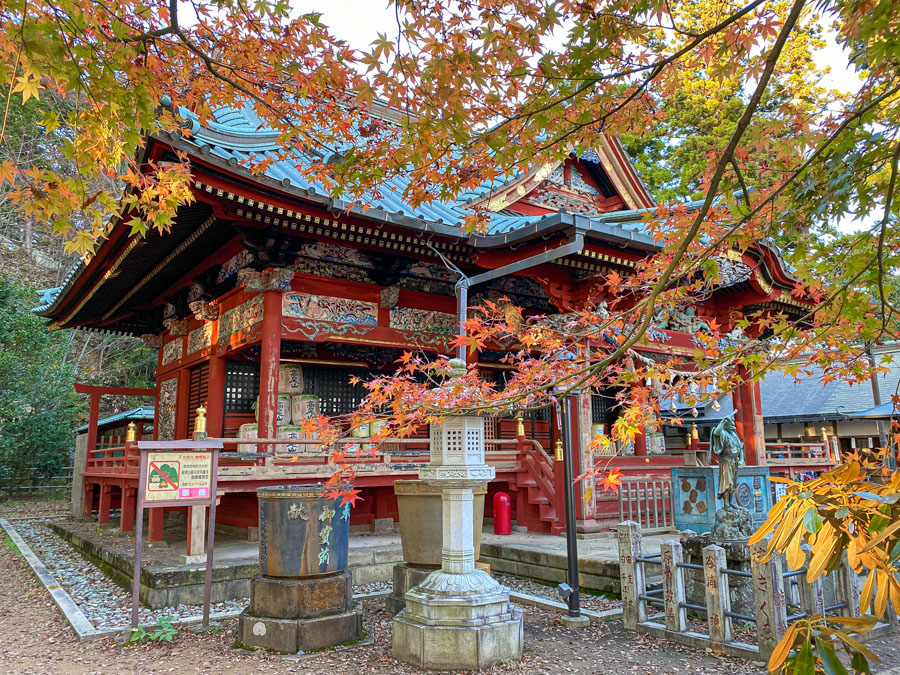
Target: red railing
pixel 124 459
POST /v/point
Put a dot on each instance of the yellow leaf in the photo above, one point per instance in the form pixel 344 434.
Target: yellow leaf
pixel 859 624
pixel 775 516
pixel 857 645
pixel 796 556
pixel 822 553
pixel 782 649
pixel 28 87
pixel 865 597
pixel 881 595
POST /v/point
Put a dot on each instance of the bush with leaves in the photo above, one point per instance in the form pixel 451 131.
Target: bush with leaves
pixel 161 631
pixel 38 405
pixel 854 508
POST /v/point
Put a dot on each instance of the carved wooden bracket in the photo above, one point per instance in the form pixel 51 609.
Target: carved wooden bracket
pixel 151 340
pixel 204 310
pixel 389 297
pixel 271 279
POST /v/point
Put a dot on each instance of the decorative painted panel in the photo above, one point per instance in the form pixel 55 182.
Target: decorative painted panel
pixel 173 351
pixel 241 317
pixel 200 338
pixel 326 308
pixel 427 320
pixel 336 254
pixel 695 500
pixel 165 410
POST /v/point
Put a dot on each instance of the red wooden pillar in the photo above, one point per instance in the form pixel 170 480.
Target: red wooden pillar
pixel 103 509
pixel 215 405
pixel 155 524
pixel 270 353
pixel 754 434
pixel 737 404
pixel 93 418
pixel 129 496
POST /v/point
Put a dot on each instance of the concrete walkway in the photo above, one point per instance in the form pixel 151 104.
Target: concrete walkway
pixel 371 556
pixel 543 557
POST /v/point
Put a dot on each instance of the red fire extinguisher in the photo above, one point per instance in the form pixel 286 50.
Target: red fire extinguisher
pixel 502 514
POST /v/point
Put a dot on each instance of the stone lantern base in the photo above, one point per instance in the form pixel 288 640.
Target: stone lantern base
pixel 457 622
pixel 293 615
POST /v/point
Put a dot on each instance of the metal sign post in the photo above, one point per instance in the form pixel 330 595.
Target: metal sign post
pixel 176 473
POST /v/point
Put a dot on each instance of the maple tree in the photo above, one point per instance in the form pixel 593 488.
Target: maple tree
pixel 723 98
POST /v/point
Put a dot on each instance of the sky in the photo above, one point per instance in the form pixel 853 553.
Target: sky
pixel 359 22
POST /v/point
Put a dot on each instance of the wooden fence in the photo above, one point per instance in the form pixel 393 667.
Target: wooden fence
pixel 647 501
pixel 664 613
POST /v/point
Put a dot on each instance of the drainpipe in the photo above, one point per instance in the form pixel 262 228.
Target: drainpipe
pixel 575 245
pixel 876 396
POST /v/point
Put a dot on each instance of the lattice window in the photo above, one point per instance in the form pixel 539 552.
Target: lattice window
pixel 241 386
pixel 491 425
pixel 602 408
pixel 332 386
pixel 199 392
pixel 473 441
pixel 454 441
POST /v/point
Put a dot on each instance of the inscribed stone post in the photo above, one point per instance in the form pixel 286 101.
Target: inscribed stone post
pixel 673 586
pixel 768 597
pixel 631 574
pixel 717 596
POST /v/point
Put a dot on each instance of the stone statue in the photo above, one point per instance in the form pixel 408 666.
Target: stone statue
pixel 725 442
pixel 733 523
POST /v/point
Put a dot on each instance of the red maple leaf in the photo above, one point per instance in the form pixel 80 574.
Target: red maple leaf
pixel 350 496
pixel 612 480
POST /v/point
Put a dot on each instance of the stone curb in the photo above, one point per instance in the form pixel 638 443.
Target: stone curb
pixel 554 606
pixel 83 628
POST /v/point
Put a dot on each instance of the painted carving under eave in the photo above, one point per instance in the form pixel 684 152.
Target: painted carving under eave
pixel 200 338
pixel 240 318
pixel 426 320
pixel 327 308
pixel 173 351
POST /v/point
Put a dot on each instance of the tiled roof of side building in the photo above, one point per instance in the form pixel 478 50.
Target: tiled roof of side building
pixel 141 413
pixel 785 399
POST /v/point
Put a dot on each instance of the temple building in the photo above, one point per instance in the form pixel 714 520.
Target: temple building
pixel 266 289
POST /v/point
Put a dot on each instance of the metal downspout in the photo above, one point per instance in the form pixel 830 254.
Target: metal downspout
pixel 465 283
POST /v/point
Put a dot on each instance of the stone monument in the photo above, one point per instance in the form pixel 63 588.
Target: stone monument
pixel 302 599
pixel 459 617
pixel 421 514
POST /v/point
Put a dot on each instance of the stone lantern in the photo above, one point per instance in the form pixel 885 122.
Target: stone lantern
pixel 459 617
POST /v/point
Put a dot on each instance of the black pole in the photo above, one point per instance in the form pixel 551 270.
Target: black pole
pixel 571 541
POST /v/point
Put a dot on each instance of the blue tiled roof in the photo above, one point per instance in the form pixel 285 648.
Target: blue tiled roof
pixel 809 399
pixel 142 413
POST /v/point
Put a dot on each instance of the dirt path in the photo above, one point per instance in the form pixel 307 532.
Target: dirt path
pixel 36 639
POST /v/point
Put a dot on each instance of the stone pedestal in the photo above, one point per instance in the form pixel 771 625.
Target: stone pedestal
pixel 303 599
pixel 406 577
pixel 458 617
pixel 732 524
pixel 458 622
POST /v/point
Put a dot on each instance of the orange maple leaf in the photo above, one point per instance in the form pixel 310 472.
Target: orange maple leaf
pixel 612 480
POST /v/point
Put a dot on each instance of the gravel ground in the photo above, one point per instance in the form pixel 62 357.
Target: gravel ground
pixel 105 604
pixel 597 603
